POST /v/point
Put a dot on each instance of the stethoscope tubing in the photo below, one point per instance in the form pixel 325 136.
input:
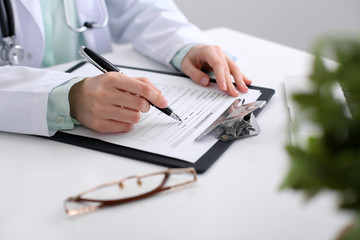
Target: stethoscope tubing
pixel 87 25
pixel 10 52
pixel 7 19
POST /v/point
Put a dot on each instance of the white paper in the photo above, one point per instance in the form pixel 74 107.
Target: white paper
pixel 158 133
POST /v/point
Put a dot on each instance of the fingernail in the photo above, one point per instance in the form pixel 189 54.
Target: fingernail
pixel 244 85
pixel 224 86
pixel 235 90
pixel 164 103
pixel 204 81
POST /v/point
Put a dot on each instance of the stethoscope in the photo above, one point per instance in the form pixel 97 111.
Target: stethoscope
pixel 87 25
pixel 10 52
pixel 13 53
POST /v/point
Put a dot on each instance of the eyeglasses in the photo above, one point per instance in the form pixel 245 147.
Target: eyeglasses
pixel 129 189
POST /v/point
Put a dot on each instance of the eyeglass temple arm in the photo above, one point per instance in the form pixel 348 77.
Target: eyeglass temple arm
pixel 106 203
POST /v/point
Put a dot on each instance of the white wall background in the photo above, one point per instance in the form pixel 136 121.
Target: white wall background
pixel 295 23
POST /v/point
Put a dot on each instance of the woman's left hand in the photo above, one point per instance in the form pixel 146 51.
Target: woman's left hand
pixel 209 58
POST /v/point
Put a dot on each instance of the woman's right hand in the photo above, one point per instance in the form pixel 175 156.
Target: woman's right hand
pixel 112 102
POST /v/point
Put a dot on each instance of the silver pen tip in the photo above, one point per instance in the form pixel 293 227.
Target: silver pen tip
pixel 176 117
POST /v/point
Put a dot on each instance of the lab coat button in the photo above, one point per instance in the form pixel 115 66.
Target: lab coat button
pixel 60 119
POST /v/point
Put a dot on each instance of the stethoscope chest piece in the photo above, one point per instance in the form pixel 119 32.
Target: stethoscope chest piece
pixel 11 53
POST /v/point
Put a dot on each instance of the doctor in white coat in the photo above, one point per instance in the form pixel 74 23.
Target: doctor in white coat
pixel 155 27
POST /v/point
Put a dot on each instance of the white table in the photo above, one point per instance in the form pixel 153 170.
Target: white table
pixel 237 198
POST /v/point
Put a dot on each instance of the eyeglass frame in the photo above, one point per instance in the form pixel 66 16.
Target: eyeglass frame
pixel 107 203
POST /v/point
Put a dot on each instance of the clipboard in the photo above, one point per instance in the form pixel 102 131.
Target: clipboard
pixel 201 165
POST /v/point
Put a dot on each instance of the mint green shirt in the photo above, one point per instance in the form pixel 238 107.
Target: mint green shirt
pixel 57 38
pixel 61 44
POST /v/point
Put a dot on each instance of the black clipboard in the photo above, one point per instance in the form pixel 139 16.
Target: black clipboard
pixel 201 165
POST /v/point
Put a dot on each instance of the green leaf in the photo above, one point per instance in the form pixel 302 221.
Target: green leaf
pixel 330 161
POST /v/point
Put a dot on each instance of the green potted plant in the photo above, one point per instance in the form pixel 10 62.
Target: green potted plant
pixel 331 161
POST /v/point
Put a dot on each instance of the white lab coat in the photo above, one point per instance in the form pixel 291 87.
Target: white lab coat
pixel 156 28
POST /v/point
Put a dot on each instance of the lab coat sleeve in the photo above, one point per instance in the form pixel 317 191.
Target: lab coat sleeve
pixel 24 97
pixel 157 28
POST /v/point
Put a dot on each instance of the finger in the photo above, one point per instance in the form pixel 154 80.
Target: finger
pixel 239 78
pixel 246 80
pixel 138 87
pixel 231 89
pixel 216 60
pixel 194 73
pixel 219 70
pixel 150 94
pixel 129 100
pixel 147 81
pixel 104 119
pixel 111 126
pixel 121 114
pixel 111 96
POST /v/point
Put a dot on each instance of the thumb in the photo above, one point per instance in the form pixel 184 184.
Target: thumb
pixel 195 74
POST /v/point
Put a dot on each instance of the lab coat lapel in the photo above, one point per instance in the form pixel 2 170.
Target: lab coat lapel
pixel 35 11
pixel 29 30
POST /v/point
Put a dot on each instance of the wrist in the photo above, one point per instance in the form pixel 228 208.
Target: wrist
pixel 180 55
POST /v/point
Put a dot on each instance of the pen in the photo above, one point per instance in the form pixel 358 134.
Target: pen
pixel 105 66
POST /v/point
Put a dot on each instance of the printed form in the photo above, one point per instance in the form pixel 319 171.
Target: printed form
pixel 158 133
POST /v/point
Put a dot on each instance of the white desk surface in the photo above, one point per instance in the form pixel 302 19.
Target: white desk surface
pixel 237 198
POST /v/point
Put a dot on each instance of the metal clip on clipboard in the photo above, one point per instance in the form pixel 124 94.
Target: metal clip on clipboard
pixel 237 121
